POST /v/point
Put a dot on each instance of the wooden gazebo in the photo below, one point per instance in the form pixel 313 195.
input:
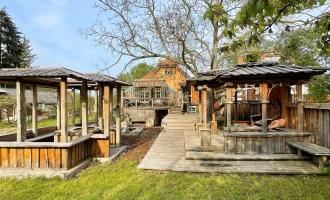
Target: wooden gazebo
pixel 270 80
pixel 62 152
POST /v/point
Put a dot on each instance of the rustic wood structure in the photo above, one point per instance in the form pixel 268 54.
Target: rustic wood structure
pixel 151 97
pixel 64 148
pixel 268 81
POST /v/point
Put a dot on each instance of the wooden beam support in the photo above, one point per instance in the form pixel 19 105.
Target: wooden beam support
pixel 300 109
pixel 84 108
pixel 96 105
pixel 118 115
pixel 35 109
pixel 100 107
pixel 264 101
pixel 21 110
pixel 284 102
pixel 80 102
pixel 106 110
pixel 111 106
pixel 204 102
pixel 64 110
pixel 229 103
pixel 73 109
pixel 58 110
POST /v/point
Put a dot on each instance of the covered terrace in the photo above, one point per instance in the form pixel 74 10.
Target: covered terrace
pixel 66 147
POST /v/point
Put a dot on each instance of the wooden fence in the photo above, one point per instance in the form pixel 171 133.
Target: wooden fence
pixel 53 155
pixel 245 109
pixel 316 121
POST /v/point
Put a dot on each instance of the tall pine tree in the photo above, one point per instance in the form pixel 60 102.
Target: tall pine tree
pixel 10 45
pixel 27 57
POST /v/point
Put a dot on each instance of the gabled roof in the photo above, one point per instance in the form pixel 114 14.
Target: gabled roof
pixel 258 69
pixel 164 64
pixel 97 77
pixel 41 73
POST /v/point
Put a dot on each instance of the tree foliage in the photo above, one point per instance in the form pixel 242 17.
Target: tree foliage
pixel 15 50
pixel 319 88
pixel 136 72
pixel 10 45
pixel 27 57
pixel 200 35
pixel 7 105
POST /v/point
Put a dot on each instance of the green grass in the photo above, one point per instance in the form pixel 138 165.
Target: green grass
pixel 122 180
pixel 6 127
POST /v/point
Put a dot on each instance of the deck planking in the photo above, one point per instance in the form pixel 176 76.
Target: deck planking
pixel 168 153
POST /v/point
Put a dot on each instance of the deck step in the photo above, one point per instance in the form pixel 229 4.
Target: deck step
pixel 190 155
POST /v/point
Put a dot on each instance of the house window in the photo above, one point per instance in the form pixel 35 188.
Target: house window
pixel 168 71
pixel 157 93
pixel 145 93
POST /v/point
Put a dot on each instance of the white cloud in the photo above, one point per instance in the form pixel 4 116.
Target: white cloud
pixel 47 19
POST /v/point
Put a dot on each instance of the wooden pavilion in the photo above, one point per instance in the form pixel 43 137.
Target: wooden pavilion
pixel 267 81
pixel 59 149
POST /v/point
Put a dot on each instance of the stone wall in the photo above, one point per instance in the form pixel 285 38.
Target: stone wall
pixel 140 115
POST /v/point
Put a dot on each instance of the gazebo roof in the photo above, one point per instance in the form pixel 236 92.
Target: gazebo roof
pixel 257 70
pixel 41 73
pixel 105 78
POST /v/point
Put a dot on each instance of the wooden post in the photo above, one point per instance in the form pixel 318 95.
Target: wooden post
pixel 204 101
pixel 35 109
pixel 64 110
pixel 80 102
pixel 205 137
pixel 58 114
pixel 236 108
pixel 264 101
pixel 210 104
pixel 284 102
pixel 106 110
pixel 100 107
pixel 200 108
pixel 229 102
pixel 96 104
pixel 73 109
pixel 111 106
pixel 300 109
pixel 21 110
pixel 84 108
pixel 118 114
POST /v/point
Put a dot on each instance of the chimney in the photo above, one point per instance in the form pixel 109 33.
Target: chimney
pixel 240 60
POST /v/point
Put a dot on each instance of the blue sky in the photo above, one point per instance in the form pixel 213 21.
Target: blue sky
pixel 52 27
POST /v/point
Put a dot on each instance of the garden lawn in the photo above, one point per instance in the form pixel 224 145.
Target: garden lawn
pixel 6 127
pixel 122 180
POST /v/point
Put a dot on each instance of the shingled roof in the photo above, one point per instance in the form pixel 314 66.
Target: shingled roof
pixel 257 69
pixel 163 64
pixel 97 77
pixel 41 73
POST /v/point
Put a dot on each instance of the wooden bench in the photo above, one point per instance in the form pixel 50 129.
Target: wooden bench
pixel 320 154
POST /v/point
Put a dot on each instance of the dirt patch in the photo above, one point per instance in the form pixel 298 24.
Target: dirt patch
pixel 138 146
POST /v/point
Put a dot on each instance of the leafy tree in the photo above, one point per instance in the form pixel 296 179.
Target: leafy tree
pixel 200 35
pixel 27 57
pixel 136 72
pixel 7 105
pixel 10 46
pixel 319 88
pixel 299 48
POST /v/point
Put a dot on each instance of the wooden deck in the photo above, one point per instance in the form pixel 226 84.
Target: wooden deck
pixel 168 153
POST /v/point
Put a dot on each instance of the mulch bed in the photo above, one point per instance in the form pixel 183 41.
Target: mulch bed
pixel 138 146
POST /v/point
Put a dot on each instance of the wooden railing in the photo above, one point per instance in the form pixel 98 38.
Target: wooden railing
pixel 316 121
pixel 146 102
pixel 54 155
